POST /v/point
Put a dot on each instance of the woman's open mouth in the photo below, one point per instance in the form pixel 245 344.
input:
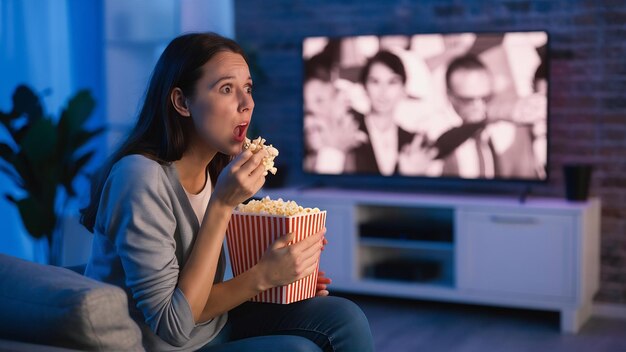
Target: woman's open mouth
pixel 239 133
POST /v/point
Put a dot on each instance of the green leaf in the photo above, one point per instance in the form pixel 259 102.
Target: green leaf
pixel 24 169
pixel 74 116
pixel 7 153
pixel 19 134
pixel 5 119
pixel 26 102
pixel 41 180
pixel 40 142
pixel 12 174
pixel 70 172
pixel 38 217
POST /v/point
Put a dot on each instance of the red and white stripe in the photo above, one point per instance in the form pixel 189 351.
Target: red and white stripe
pixel 249 235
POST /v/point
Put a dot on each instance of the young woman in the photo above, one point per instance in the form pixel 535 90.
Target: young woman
pixel 160 208
pixel 390 149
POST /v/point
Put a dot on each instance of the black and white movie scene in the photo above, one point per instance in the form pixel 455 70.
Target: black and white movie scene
pixel 434 105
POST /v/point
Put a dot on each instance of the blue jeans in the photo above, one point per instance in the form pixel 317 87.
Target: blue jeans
pixel 316 324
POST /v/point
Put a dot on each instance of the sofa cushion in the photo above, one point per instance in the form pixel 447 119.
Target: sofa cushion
pixel 54 306
pixel 19 346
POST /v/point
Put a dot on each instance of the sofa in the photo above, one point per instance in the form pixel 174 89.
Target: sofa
pixel 48 308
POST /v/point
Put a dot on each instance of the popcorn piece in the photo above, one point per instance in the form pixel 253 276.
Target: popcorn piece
pixel 258 144
pixel 275 207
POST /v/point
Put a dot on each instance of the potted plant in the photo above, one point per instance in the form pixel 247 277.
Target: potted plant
pixel 44 158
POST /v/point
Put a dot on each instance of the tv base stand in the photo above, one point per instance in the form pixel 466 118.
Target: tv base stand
pixel 538 254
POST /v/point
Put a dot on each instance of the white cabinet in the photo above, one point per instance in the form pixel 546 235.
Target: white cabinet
pixel 522 253
pixel 541 254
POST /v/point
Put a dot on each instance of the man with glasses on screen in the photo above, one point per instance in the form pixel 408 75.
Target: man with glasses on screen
pixel 498 148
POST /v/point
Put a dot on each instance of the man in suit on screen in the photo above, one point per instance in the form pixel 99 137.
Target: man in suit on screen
pixel 498 148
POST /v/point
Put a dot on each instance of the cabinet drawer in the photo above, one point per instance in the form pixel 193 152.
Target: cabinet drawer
pixel 516 253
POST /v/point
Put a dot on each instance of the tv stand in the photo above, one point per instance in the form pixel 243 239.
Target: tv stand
pixel 538 254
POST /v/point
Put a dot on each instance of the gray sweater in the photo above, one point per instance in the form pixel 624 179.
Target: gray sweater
pixel 144 232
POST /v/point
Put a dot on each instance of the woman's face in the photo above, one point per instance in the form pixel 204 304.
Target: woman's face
pixel 222 104
pixel 384 88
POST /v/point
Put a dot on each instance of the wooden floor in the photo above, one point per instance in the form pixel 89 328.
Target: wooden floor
pixel 408 325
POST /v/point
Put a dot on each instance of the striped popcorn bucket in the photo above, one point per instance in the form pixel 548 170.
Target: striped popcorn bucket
pixel 249 235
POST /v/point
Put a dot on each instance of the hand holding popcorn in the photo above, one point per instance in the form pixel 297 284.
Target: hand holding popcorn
pixel 240 179
pixel 259 144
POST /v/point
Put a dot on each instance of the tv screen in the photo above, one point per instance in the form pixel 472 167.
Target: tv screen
pixel 456 105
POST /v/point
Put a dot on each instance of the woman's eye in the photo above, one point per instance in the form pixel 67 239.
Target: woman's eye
pixel 395 80
pixel 372 81
pixel 249 89
pixel 226 89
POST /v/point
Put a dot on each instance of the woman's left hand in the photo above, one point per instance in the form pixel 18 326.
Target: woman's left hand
pixel 322 280
pixel 322 284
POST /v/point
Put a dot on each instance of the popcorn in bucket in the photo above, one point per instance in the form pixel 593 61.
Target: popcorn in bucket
pixel 253 227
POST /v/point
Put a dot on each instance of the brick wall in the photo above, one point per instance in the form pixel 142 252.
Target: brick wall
pixel 588 78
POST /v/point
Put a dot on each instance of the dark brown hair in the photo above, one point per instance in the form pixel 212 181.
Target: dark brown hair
pixel 388 59
pixel 160 133
pixel 464 62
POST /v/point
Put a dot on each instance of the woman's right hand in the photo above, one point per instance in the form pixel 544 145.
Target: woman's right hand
pixel 241 178
pixel 283 264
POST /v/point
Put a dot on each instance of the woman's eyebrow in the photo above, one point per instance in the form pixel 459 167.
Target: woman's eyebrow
pixel 221 79
pixel 225 78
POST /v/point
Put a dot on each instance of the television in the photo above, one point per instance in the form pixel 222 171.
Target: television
pixel 444 105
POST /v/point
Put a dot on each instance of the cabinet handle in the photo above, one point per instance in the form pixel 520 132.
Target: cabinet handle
pixel 514 220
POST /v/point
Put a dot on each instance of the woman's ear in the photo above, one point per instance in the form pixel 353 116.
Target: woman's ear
pixel 180 102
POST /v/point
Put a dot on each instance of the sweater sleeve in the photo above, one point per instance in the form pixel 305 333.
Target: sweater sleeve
pixel 138 218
